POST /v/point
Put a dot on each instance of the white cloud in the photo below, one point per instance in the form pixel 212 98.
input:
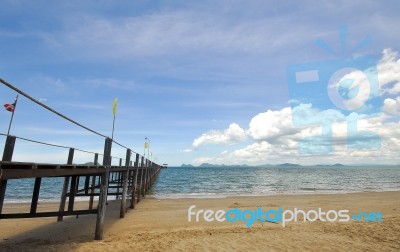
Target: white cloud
pixel 232 134
pixel 187 150
pixel 391 106
pixel 173 32
pixel 389 72
pixel 271 124
pixel 276 133
pixel 388 68
pixel 277 140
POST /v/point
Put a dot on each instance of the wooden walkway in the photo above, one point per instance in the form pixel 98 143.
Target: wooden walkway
pixel 131 179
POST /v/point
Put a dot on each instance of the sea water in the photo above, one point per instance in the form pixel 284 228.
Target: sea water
pixel 208 182
pixel 179 182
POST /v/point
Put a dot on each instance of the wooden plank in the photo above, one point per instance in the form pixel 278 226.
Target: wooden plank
pixel 89 194
pixel 20 174
pixel 29 166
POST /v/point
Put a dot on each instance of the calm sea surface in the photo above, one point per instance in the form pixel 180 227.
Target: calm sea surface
pixel 179 182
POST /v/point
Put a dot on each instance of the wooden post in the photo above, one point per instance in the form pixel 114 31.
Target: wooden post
pixel 119 179
pixel 145 178
pixel 101 210
pixel 95 162
pixel 65 186
pixel 72 192
pixel 87 181
pixel 141 179
pixel 9 148
pixel 149 177
pixel 7 156
pixel 130 177
pixel 125 184
pixel 35 195
pixel 134 182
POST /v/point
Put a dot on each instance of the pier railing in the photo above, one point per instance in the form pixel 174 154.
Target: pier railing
pixel 131 179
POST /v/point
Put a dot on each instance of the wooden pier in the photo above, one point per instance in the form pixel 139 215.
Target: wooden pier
pixel 129 181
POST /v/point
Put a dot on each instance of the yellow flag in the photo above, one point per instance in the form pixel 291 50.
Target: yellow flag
pixel 146 145
pixel 114 109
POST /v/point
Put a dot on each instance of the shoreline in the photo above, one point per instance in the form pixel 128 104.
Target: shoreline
pixel 219 196
pixel 213 196
pixel 162 225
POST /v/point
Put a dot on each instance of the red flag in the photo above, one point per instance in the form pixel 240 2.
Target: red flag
pixel 9 107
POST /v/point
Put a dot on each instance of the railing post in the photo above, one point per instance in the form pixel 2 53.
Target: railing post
pixel 96 162
pixel 101 211
pixel 35 195
pixel 7 156
pixel 134 182
pixel 72 192
pixel 148 175
pixel 141 179
pixel 151 175
pixel 9 148
pixel 65 186
pixel 119 180
pixel 145 178
pixel 125 184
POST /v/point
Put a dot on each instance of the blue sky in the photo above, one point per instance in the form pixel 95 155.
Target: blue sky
pixel 204 80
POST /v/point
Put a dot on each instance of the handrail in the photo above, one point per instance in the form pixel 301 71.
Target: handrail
pixel 9 85
pixel 54 145
pixel 48 108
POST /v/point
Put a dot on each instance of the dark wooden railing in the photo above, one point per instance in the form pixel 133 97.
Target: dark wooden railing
pixel 133 178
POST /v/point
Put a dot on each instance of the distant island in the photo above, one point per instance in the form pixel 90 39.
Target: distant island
pixel 284 165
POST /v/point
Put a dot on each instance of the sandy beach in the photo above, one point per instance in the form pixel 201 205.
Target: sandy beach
pixel 162 225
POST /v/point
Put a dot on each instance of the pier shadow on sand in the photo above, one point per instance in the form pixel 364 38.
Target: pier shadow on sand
pixel 41 234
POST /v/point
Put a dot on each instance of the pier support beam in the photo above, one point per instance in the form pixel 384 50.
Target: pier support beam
pixel 134 182
pixel 65 186
pixel 96 163
pixel 125 184
pixel 35 195
pixel 7 156
pixel 142 167
pixel 101 210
